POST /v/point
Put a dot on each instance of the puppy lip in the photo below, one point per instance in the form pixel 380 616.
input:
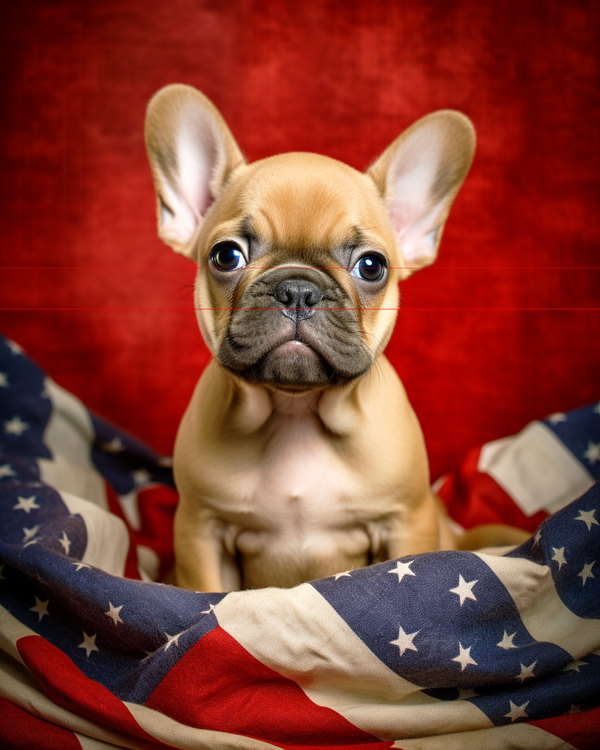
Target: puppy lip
pixel 294 347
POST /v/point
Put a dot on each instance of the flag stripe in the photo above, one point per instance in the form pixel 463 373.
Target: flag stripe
pixel 581 728
pixel 541 609
pixel 510 737
pixel 67 686
pixel 69 432
pixel 317 649
pixel 536 469
pixel 21 730
pixel 218 685
pixel 107 538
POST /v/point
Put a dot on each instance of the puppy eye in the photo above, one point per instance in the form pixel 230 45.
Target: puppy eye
pixel 227 256
pixel 369 268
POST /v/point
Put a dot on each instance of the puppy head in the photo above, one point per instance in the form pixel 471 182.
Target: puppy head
pixel 299 256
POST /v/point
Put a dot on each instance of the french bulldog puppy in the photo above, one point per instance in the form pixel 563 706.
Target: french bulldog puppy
pixel 299 456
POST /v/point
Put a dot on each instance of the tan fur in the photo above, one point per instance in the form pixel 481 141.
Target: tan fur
pixel 285 480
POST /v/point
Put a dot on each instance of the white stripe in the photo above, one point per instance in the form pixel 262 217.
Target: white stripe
pixel 69 431
pixel 89 743
pixel 544 615
pixel 69 435
pixel 297 633
pixel 11 630
pixel 521 736
pixel 536 469
pixel 131 511
pixel 65 476
pixel 107 536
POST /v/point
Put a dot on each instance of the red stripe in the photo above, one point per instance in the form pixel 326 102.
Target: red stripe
pixel 66 685
pixel 157 505
pixel 474 498
pixel 582 730
pixel 20 730
pixel 218 685
pixel 131 563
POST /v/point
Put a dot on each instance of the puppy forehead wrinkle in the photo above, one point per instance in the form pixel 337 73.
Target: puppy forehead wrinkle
pixel 304 197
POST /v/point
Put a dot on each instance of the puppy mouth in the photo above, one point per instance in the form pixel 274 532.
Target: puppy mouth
pixel 291 364
pixel 294 365
pixel 275 340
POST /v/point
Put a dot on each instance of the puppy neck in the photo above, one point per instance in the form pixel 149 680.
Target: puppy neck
pixel 338 409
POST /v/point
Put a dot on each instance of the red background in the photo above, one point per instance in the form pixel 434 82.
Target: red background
pixel 503 329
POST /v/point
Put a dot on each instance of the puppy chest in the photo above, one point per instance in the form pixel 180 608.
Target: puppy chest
pixel 301 480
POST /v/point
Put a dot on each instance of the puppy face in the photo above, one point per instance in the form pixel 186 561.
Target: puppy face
pixel 298 270
pixel 299 256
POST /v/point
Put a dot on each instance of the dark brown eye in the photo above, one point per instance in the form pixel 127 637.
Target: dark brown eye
pixel 227 256
pixel 369 268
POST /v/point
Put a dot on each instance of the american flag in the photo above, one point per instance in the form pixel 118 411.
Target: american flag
pixel 441 650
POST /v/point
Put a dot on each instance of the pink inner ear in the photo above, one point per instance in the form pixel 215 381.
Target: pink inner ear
pixel 198 157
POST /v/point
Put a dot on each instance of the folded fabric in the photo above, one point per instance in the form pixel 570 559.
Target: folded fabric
pixel 442 650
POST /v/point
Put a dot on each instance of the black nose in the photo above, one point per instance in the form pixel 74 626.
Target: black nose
pixel 298 295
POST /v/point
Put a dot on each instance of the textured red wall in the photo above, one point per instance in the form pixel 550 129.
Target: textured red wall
pixel 505 327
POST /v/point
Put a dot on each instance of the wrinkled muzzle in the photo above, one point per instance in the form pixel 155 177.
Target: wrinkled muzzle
pixel 296 328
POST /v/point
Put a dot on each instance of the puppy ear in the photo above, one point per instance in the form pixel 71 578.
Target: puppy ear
pixel 192 153
pixel 419 175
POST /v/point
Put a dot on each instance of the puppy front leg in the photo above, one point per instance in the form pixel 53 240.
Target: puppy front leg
pixel 423 528
pixel 202 560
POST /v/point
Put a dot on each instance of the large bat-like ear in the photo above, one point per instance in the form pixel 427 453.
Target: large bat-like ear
pixel 192 154
pixel 419 175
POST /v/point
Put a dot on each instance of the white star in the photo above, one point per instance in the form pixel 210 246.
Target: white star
pixel 464 590
pixel 574 709
pixel 592 453
pixel 209 610
pixel 89 643
pixel 65 542
pixel 26 503
pixel 79 566
pixel 41 608
pixel 172 639
pixel 14 347
pixel 6 471
pixel 574 666
pixel 165 461
pixel 27 544
pixel 464 657
pixel 30 533
pixel 587 516
pixel 3 380
pixel 560 416
pixel 402 569
pixel 537 537
pixel 116 445
pixel 559 556
pixel 405 641
pixel 113 613
pixel 141 476
pixel 507 641
pixel 341 575
pixel 587 572
pixel 526 672
pixel 516 712
pixel 15 426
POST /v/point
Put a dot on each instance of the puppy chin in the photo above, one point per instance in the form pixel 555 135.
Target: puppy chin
pixel 291 366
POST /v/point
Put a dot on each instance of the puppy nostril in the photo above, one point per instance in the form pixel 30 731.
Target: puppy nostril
pixel 298 293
